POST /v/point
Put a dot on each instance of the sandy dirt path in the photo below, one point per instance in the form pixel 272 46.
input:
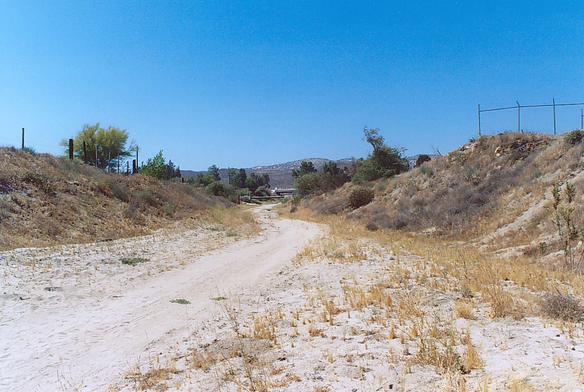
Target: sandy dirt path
pixel 84 343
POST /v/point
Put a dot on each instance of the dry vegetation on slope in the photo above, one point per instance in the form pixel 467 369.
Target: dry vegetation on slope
pixel 46 200
pixel 496 190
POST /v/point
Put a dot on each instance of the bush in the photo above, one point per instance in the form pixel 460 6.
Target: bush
pixel 146 197
pixel 422 158
pixel 308 184
pixel 563 307
pixel 120 191
pixel 218 188
pixel 360 197
pixel 574 137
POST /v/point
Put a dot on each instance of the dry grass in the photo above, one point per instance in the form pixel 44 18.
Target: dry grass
pixel 47 200
pixel 464 310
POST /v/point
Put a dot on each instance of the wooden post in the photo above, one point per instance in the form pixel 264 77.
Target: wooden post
pixel 134 166
pixel 582 119
pixel 96 146
pixel 71 149
pixel 84 152
pixel 136 170
pixel 23 138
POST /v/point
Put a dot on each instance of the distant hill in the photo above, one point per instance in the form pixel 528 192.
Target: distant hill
pixel 280 173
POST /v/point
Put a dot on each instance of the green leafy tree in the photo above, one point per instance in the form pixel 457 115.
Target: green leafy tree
pixel 237 177
pixel 255 181
pixel 110 143
pixel 213 171
pixel 158 168
pixel 306 167
pixel 384 161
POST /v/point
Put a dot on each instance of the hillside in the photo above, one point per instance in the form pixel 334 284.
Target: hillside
pixel 280 173
pixel 496 191
pixel 46 200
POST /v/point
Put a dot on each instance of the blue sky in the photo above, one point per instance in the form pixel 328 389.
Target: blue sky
pixel 244 83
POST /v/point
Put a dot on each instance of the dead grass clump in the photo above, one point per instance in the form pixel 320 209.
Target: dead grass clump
pixel 471 359
pixel 154 379
pixel 264 328
pixel 464 310
pixel 562 307
pixel 502 303
pixel 358 298
pixel 438 353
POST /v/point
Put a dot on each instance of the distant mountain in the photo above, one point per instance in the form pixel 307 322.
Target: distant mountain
pixel 280 173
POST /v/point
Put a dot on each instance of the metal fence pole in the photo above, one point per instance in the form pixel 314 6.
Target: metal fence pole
pixel 554 106
pixel 479 116
pixel 23 138
pixel 518 117
pixel 582 119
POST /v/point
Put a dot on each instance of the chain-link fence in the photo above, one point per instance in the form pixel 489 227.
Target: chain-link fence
pixel 544 122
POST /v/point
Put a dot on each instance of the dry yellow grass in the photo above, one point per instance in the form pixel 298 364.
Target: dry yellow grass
pixel 464 310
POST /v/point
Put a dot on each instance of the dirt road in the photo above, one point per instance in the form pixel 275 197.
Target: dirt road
pixel 83 339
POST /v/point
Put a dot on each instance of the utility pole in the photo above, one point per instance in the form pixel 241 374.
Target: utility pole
pixel 479 116
pixel 554 105
pixel 23 138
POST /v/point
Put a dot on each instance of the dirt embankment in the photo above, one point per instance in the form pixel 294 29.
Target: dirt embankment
pixel 498 184
pixel 46 200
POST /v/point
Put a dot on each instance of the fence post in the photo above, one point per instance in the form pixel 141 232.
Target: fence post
pixel 518 117
pixel 479 116
pixel 554 106
pixel 23 138
pixel 134 166
pixel 136 170
pixel 96 146
pixel 582 119
pixel 84 152
pixel 71 149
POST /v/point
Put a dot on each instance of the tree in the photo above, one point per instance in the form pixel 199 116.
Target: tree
pixel 255 181
pixel 158 168
pixel 306 167
pixel 237 177
pixel 110 144
pixel 214 172
pixel 384 161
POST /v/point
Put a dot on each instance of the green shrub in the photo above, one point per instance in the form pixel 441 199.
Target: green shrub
pixel 360 197
pixel 133 261
pixel 180 301
pixel 384 161
pixel 307 184
pixel 168 209
pixel 218 188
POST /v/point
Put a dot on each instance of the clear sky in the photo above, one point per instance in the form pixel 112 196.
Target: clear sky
pixel 244 83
